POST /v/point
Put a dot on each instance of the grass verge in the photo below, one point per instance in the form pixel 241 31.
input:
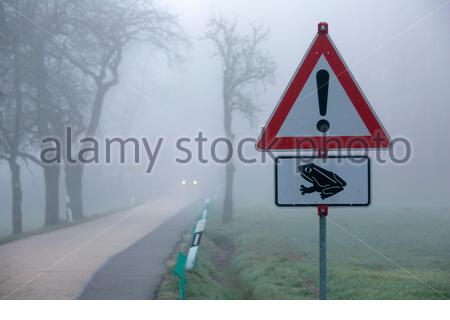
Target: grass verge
pixel 380 253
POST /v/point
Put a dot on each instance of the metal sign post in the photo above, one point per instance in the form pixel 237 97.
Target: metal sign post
pixel 322 211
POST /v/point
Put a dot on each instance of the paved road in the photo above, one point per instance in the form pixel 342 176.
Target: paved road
pixel 60 264
pixel 136 272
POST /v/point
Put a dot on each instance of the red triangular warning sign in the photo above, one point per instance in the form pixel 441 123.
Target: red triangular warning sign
pixel 323 108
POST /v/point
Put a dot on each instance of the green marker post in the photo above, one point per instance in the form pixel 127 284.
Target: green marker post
pixel 179 271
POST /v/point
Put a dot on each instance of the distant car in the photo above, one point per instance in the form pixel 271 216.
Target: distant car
pixel 187 182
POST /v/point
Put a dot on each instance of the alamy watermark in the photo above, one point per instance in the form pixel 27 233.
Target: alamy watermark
pixel 200 149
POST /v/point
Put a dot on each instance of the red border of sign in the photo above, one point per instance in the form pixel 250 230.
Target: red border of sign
pixel 323 45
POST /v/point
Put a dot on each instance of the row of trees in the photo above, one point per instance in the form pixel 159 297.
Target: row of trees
pixel 59 59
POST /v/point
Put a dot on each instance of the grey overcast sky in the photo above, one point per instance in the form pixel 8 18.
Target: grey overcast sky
pixel 397 50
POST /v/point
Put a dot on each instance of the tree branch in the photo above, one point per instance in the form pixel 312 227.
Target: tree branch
pixel 4 157
pixel 31 158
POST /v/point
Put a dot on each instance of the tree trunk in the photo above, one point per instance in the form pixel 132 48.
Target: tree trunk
pixel 51 176
pixel 16 197
pixel 227 216
pixel 74 188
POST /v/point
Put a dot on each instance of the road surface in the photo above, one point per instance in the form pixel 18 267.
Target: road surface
pixel 137 272
pixel 61 264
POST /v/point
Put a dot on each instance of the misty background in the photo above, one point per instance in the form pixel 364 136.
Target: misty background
pixel 397 51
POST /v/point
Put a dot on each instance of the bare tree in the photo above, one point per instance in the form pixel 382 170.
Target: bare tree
pixel 12 111
pixel 11 107
pixel 104 31
pixel 246 71
pixel 41 23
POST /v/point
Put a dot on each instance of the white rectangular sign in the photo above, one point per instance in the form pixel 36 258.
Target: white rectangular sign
pixel 332 181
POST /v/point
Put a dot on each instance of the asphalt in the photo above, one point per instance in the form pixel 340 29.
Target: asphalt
pixel 60 264
pixel 136 272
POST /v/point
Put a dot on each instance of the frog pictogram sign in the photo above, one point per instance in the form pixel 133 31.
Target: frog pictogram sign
pixel 323 108
pixel 311 181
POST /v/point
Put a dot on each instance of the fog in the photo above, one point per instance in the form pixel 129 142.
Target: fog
pixel 398 51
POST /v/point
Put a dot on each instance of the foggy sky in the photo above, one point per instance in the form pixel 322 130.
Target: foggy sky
pixel 398 51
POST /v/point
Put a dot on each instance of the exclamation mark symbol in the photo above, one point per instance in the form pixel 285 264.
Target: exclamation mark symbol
pixel 322 78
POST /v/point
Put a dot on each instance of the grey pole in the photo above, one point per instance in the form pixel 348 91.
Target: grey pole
pixel 322 211
pixel 323 256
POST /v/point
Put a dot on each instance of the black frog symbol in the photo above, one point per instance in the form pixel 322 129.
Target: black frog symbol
pixel 324 181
